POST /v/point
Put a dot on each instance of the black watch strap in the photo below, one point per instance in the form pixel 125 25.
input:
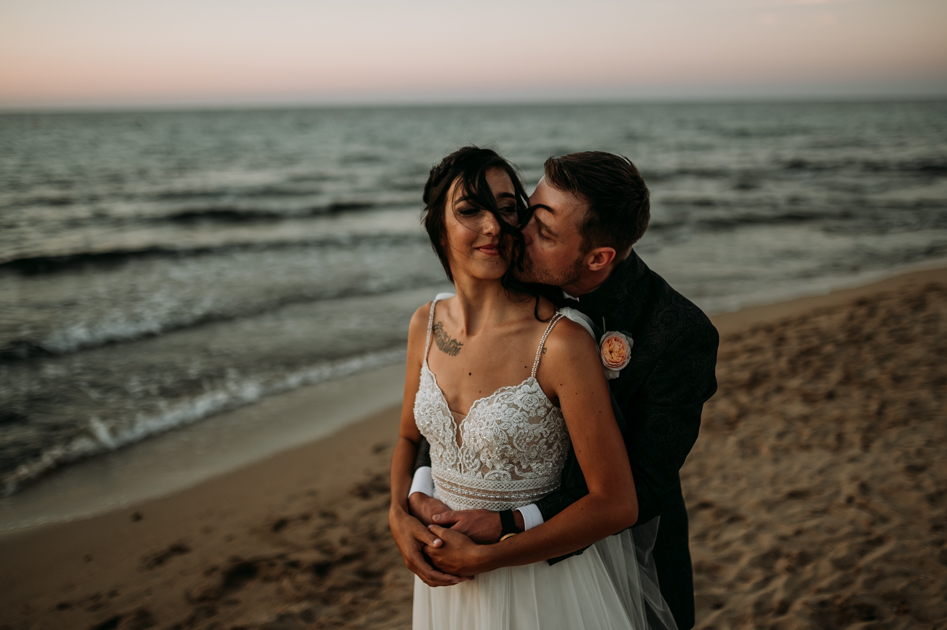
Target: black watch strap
pixel 507 523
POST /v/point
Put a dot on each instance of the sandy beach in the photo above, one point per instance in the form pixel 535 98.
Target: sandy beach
pixel 817 495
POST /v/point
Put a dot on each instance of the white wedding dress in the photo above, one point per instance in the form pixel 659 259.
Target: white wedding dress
pixel 508 452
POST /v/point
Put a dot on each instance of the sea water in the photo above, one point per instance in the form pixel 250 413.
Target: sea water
pixel 157 268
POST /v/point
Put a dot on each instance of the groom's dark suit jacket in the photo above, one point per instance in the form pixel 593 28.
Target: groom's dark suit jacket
pixel 659 394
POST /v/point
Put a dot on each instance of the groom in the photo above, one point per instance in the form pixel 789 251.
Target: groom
pixel 588 211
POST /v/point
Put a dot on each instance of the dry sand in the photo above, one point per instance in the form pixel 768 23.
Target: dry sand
pixel 818 488
pixel 817 493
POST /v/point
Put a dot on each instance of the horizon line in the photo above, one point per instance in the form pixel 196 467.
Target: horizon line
pixel 420 103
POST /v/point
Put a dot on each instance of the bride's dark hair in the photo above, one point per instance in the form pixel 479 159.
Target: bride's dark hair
pixel 469 166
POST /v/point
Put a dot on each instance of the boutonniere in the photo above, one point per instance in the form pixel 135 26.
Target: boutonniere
pixel 614 346
pixel 615 350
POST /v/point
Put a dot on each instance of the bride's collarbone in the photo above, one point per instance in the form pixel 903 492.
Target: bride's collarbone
pixel 473 374
pixel 466 368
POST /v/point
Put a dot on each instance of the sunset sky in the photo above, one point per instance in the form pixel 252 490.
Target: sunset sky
pixel 59 53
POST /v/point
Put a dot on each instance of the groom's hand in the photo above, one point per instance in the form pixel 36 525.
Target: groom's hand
pixel 412 539
pixel 481 526
pixel 424 507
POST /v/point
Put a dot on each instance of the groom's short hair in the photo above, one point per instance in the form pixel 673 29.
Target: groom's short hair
pixel 618 199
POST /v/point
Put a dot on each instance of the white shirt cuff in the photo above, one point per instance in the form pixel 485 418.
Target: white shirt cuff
pixel 532 517
pixel 423 482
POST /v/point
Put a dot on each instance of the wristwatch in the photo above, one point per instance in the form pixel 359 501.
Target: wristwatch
pixel 507 525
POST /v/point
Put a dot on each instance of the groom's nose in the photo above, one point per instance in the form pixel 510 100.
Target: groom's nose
pixel 528 230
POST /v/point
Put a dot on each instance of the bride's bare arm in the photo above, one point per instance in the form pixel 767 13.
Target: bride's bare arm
pixel 570 368
pixel 409 533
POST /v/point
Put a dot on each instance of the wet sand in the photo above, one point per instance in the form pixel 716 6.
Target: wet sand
pixel 817 493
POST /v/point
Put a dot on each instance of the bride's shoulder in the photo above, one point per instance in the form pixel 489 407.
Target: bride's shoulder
pixel 567 331
pixel 570 355
pixel 421 316
pixel 569 341
pixel 418 325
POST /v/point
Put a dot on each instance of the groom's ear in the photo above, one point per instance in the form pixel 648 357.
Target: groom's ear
pixel 599 258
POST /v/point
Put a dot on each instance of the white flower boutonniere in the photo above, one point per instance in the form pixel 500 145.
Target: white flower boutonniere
pixel 614 346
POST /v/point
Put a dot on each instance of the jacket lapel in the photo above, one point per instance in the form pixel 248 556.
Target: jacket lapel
pixel 620 302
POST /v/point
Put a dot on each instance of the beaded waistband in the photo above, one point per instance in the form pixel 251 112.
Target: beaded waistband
pixel 462 492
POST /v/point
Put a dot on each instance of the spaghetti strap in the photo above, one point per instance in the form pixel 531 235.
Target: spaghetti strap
pixel 430 326
pixel 542 342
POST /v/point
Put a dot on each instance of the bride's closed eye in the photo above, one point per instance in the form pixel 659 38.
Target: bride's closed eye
pixel 507 214
pixel 510 214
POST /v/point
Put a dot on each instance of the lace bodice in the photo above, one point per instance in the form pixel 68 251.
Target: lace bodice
pixel 507 452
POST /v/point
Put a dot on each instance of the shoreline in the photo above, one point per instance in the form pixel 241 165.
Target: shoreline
pixel 189 456
pixel 733 322
pixel 300 535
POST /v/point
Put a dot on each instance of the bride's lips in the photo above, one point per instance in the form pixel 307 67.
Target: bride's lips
pixel 491 249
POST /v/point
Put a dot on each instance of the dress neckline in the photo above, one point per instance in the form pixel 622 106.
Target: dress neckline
pixel 499 390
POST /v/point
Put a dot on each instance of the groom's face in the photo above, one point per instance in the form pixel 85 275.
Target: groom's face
pixel 553 253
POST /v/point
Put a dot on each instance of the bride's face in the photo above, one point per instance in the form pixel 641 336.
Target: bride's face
pixel 474 246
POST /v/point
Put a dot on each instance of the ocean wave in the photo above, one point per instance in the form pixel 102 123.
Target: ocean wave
pixel 656 175
pixel 99 437
pixel 711 215
pixel 931 167
pixel 764 173
pixel 230 215
pixel 51 263
pixel 302 189
pixel 40 264
pixel 132 326
pixel 237 214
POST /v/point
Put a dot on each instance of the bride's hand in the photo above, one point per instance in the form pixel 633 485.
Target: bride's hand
pixel 412 537
pixel 457 554
pixel 424 508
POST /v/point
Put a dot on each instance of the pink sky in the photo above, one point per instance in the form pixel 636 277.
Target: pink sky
pixel 169 52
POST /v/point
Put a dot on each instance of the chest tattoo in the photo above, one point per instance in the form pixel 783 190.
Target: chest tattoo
pixel 446 345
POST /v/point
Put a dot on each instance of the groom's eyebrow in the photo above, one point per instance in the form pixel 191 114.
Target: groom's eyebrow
pixel 539 222
pixel 543 206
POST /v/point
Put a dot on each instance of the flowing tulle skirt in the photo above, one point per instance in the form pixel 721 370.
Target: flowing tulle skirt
pixel 599 589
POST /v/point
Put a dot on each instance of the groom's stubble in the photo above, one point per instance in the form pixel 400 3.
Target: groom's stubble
pixel 530 272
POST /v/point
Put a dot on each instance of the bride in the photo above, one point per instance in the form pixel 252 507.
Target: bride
pixel 499 383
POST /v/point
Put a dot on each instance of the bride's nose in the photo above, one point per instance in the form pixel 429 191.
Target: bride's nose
pixel 489 225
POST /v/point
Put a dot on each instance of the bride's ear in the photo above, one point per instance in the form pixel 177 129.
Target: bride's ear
pixel 599 258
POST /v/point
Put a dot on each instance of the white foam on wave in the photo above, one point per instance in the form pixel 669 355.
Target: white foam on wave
pixel 100 438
